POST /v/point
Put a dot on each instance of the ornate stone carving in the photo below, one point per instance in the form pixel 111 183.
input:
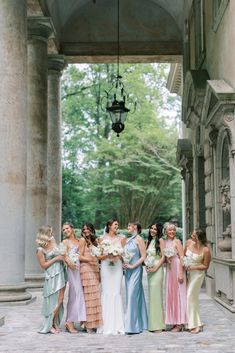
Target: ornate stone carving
pixel 225 245
pixel 213 135
pixel 225 194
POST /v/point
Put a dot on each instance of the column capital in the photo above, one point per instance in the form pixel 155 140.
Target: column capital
pixel 56 63
pixel 40 27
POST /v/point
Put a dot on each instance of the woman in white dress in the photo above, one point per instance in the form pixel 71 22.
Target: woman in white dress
pixel 111 282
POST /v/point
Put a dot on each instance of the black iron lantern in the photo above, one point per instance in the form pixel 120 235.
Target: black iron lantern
pixel 116 96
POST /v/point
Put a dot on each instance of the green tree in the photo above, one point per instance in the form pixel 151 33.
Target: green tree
pixel 131 177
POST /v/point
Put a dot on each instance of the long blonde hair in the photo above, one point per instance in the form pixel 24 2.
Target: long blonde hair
pixel 44 236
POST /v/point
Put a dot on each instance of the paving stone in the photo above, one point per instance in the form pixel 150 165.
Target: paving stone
pixel 19 334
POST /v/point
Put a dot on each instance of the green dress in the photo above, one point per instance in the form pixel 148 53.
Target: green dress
pixel 55 279
pixel 155 289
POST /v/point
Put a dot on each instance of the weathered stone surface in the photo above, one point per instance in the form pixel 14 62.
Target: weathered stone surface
pixel 56 64
pixel 19 334
pixel 13 112
pixel 39 30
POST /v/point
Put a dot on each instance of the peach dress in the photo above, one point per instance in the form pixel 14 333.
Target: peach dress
pixel 91 288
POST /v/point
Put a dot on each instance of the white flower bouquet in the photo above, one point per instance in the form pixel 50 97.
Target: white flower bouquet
pixel 150 261
pixel 107 248
pixel 186 261
pixel 74 256
pixel 127 256
pixel 96 250
pixel 169 253
pixel 62 249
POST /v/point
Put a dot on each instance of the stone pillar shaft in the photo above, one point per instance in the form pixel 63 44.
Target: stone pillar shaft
pixel 39 30
pixel 56 64
pixel 13 112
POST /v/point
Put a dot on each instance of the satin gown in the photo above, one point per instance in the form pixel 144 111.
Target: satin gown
pixel 156 320
pixel 176 296
pixel 76 309
pixel 111 299
pixel 55 279
pixel 196 278
pixel 136 319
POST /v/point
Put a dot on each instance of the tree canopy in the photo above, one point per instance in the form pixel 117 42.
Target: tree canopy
pixel 131 177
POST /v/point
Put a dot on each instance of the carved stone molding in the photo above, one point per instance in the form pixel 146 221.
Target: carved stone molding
pixel 40 28
pixel 193 97
pixel 229 122
pixel 184 157
pixel 225 245
pixel 218 110
pixel 213 135
pixel 225 195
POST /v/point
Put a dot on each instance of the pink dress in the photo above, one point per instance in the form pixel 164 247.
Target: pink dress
pixel 176 297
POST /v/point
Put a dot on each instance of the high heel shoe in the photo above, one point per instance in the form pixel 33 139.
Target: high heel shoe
pixel 53 330
pixel 197 329
pixel 70 329
pixel 177 328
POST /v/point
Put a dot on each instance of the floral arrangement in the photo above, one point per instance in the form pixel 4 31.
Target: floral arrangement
pixel 150 261
pixel 151 257
pixel 127 256
pixel 74 255
pixel 62 249
pixel 107 248
pixel 169 253
pixel 186 261
pixel 95 250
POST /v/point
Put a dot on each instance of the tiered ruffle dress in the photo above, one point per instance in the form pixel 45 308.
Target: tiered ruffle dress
pixel 91 287
pixel 55 279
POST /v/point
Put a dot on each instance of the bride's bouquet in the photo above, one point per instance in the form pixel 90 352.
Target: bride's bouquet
pixel 107 248
pixel 169 253
pixel 150 258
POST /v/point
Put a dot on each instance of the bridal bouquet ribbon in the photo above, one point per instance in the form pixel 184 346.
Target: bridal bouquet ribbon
pixel 169 253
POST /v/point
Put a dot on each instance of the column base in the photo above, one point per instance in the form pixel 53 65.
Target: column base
pixel 34 281
pixel 14 293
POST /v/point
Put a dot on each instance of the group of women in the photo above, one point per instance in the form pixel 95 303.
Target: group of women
pixel 102 311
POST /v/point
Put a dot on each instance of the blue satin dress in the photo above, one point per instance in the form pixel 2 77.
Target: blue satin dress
pixel 136 319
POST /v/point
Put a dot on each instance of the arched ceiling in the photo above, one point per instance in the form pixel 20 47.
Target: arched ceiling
pixel 86 30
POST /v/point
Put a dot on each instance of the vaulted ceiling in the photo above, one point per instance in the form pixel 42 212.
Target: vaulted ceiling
pixel 86 30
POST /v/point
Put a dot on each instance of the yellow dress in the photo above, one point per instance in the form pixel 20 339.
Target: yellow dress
pixel 196 278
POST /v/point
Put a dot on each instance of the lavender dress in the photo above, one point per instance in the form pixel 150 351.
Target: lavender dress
pixel 76 310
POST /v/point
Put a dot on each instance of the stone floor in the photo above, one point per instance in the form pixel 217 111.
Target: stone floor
pixel 19 334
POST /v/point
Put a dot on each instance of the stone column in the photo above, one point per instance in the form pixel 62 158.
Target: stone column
pixel 39 30
pixel 56 63
pixel 13 112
